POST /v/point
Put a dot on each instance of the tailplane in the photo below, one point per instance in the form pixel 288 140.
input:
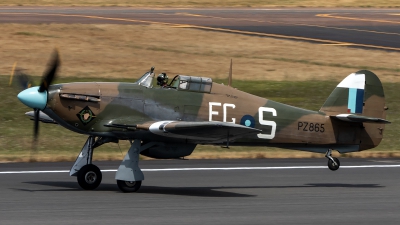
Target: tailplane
pixel 360 98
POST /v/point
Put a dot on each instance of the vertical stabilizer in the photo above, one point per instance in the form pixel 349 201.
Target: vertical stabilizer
pixel 360 95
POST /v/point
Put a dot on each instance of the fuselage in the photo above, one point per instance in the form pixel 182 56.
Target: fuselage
pixel 87 107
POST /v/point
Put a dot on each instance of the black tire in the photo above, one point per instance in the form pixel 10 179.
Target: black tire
pixel 89 177
pixel 332 166
pixel 128 186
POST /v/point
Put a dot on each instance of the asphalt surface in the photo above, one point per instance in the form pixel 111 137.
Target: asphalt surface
pixel 362 28
pixel 279 191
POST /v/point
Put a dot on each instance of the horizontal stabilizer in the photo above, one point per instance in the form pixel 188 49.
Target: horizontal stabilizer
pixel 359 119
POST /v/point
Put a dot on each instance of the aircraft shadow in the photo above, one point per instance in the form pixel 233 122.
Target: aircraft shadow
pixel 183 191
pixel 221 191
pixel 333 185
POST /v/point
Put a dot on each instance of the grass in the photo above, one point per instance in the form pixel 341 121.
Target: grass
pixel 33 34
pixel 125 51
pixel 208 3
pixel 57 143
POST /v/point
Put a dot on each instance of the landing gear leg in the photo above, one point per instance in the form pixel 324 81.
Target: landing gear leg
pixel 129 176
pixel 333 163
pixel 88 175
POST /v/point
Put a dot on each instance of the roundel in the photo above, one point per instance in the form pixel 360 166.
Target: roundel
pixel 247 121
pixel 86 115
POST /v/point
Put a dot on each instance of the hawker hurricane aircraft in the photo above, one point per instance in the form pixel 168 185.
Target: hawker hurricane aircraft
pixel 168 121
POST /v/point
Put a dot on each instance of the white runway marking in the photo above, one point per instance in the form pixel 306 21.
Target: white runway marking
pixel 209 169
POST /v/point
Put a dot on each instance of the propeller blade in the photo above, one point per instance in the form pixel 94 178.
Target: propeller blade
pixel 35 135
pixel 24 81
pixel 12 73
pixel 49 75
pixel 36 124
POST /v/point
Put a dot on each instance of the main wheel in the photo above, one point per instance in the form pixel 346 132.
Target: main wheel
pixel 332 166
pixel 89 177
pixel 129 186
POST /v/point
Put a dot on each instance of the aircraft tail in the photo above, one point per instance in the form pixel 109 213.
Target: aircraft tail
pixel 360 98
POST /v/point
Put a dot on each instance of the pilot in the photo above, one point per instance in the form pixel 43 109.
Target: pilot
pixel 162 80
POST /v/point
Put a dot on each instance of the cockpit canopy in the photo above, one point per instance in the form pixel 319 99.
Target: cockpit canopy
pixel 192 83
pixel 146 80
pixel 180 82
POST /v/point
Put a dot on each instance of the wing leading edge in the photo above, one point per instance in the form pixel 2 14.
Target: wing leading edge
pixel 201 131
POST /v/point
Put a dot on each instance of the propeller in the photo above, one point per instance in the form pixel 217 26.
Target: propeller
pixel 36 97
pixel 23 81
pixel 49 75
pixel 35 135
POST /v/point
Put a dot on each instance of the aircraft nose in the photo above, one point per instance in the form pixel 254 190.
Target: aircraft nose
pixel 32 98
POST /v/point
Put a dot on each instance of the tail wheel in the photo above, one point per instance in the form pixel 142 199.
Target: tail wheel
pixel 89 177
pixel 334 166
pixel 129 186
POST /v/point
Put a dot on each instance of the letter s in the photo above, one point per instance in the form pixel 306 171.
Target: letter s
pixel 261 120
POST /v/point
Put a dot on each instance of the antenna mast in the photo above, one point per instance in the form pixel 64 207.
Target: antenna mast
pixel 230 76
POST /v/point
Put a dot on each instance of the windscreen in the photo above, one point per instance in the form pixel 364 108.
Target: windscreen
pixel 146 80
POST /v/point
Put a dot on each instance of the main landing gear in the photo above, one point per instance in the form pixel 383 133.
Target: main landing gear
pixel 333 163
pixel 129 176
pixel 89 177
pixel 129 186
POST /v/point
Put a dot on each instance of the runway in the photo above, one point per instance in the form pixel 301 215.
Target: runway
pixel 361 28
pixel 297 191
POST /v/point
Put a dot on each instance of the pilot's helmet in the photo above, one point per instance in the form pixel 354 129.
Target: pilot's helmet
pixel 162 79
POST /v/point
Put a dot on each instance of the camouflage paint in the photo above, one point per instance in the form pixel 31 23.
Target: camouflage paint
pixel 296 128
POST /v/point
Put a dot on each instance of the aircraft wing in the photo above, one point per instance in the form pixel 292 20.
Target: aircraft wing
pixel 201 131
pixel 359 119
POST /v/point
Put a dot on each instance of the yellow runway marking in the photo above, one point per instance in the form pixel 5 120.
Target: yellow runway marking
pixel 224 18
pixel 217 29
pixel 353 18
pixel 189 14
pixel 343 44
pixel 301 24
pixel 182 26
pixel 92 17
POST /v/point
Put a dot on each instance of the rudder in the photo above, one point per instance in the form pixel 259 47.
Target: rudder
pixel 361 94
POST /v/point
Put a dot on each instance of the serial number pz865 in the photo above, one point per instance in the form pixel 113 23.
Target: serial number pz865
pixel 311 127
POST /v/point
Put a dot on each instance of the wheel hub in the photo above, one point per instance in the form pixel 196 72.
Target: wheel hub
pixel 90 177
pixel 130 183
